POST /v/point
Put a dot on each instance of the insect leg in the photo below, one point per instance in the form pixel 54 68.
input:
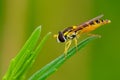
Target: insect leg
pixel 94 35
pixel 78 34
pixel 67 45
pixel 75 39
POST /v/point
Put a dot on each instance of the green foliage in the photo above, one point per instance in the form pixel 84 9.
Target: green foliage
pixel 27 55
pixel 50 68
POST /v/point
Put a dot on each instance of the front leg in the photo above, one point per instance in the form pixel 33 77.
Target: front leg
pixel 67 45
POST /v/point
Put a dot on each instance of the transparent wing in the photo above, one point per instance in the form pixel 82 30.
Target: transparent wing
pixel 81 26
pixel 98 17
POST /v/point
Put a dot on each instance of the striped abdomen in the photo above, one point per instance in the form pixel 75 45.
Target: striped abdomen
pixel 92 25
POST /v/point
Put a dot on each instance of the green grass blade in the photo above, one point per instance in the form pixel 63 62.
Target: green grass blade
pixel 42 42
pixel 50 68
pixel 18 63
pixel 35 53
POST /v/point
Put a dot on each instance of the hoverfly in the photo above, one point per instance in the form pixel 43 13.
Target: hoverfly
pixel 74 32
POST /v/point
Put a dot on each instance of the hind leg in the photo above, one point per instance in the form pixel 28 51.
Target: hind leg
pixel 75 40
pixel 94 35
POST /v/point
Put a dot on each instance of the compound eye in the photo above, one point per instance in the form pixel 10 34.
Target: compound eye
pixel 61 37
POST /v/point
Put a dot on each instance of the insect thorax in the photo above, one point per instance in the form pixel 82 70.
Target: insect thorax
pixel 70 35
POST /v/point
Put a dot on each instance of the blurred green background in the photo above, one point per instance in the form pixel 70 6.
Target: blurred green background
pixel 100 60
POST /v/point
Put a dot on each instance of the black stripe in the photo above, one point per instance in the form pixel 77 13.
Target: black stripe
pixel 97 21
pixel 84 25
pixel 91 23
pixel 102 20
pixel 80 27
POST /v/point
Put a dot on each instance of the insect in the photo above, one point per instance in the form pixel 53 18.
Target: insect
pixel 73 33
